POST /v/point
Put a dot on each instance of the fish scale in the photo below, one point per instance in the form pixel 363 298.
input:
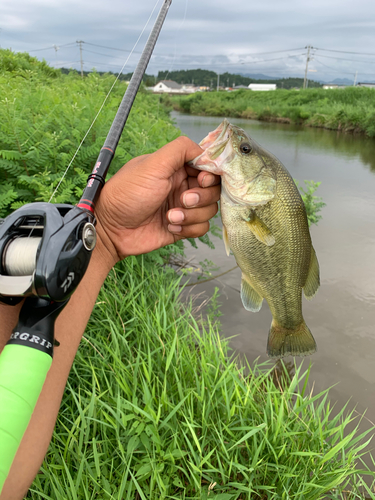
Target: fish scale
pixel 265 225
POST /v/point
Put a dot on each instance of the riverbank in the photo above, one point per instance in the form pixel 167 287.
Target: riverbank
pixel 350 110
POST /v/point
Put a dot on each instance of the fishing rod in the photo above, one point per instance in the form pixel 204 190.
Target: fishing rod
pixel 45 250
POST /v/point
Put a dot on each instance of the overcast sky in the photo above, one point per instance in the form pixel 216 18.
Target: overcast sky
pixel 220 35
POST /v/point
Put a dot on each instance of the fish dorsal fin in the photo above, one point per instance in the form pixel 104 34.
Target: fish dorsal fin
pixel 260 230
pixel 226 240
pixel 313 281
pixel 251 299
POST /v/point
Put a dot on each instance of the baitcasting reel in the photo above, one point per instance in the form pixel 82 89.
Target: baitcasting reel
pixel 44 251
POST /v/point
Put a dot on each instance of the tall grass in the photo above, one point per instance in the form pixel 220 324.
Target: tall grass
pixel 351 109
pixel 156 408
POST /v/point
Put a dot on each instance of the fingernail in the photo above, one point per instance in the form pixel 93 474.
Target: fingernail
pixel 176 216
pixel 191 199
pixel 174 229
pixel 208 180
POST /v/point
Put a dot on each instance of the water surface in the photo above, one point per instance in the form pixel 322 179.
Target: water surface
pixel 342 314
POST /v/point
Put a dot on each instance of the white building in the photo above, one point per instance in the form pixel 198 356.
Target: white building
pixel 171 87
pixel 262 86
pixel 369 85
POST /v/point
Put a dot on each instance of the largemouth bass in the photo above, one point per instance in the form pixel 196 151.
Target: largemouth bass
pixel 265 225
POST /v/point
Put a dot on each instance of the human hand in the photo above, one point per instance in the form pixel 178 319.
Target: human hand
pixel 155 200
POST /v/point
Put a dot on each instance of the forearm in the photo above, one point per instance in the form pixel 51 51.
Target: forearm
pixel 69 329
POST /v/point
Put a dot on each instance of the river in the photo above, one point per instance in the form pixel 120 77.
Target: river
pixel 342 315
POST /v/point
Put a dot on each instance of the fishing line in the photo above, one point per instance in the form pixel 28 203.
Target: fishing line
pixel 101 107
pixel 20 257
pixel 171 67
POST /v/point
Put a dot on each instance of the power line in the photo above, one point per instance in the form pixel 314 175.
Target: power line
pixel 248 63
pixel 165 55
pixel 52 47
pixel 273 52
pixel 99 54
pixel 189 55
pixel 345 51
pixel 344 59
pixel 105 64
pixel 110 48
pixel 316 59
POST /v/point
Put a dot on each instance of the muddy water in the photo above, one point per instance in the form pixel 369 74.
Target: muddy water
pixel 342 315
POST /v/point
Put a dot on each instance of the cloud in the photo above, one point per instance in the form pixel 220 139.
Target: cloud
pixel 213 34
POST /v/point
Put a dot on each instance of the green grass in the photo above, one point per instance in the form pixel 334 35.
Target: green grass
pixel 156 408
pixel 351 109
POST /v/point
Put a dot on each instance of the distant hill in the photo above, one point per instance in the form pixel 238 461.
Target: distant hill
pixel 342 81
pixel 259 76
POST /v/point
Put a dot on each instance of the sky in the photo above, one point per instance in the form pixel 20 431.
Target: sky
pixel 268 37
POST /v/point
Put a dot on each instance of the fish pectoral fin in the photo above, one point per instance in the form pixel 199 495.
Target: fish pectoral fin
pixel 261 232
pixel 313 281
pixel 226 240
pixel 251 299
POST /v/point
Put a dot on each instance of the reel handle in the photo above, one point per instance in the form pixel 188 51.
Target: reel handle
pixel 24 364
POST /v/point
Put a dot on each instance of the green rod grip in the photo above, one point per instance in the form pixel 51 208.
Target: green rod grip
pixel 23 371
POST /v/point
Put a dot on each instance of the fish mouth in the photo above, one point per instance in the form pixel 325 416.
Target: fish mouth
pixel 215 153
pixel 215 135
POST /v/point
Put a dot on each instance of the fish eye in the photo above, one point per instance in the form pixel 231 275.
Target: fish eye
pixel 245 148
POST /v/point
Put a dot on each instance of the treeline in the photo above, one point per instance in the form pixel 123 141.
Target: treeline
pixel 206 78
pixel 148 80
pixel 350 109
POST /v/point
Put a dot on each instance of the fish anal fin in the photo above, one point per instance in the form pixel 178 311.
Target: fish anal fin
pixel 290 342
pixel 251 299
pixel 226 240
pixel 260 230
pixel 313 281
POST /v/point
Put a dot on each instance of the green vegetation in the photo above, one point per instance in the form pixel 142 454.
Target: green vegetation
pixel 155 406
pixel 351 109
pixel 206 78
pixel 44 116
pixel 313 203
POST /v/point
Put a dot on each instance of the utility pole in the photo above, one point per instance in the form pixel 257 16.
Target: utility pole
pixel 80 42
pixel 56 49
pixel 218 81
pixel 355 78
pixel 305 81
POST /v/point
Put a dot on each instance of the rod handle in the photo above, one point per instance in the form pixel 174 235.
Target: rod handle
pixel 22 375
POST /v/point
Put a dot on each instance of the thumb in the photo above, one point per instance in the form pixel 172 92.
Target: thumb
pixel 173 156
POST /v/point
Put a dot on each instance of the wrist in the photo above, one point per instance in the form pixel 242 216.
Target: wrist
pixel 104 250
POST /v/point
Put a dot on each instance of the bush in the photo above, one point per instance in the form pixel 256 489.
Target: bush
pixel 349 109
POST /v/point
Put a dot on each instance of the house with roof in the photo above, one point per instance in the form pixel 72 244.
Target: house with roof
pixel 262 86
pixel 370 85
pixel 171 87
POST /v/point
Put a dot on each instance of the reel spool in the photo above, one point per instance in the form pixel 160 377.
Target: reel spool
pixel 20 254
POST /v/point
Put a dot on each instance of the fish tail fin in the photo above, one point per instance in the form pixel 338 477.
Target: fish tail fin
pixel 287 342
